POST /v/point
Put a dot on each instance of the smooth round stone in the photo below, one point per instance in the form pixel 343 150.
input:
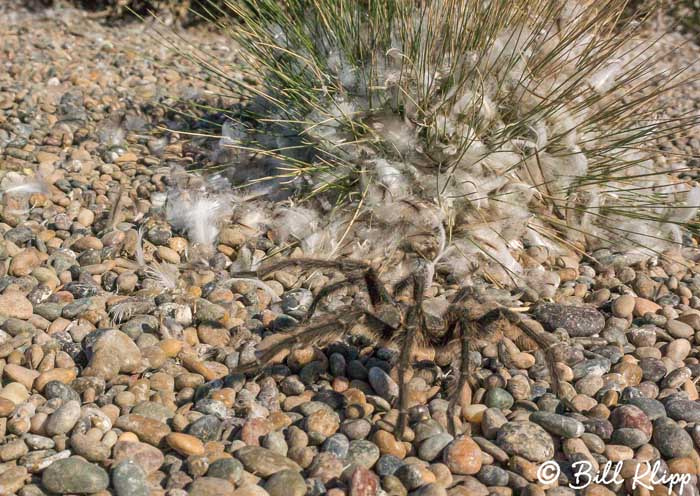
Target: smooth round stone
pixel 678 350
pixel 325 467
pixel 411 476
pixel 286 483
pixel 331 398
pixel 153 410
pixel 228 469
pixel 387 465
pixel 311 373
pixel 589 385
pixel 630 416
pixel 594 366
pixel 676 378
pixel 63 419
pixel 671 440
pixel 594 443
pixel 687 410
pixel 558 424
pixel 498 398
pixel 431 489
pixel 337 364
pixel 148 457
pixel 129 479
pixel 185 444
pixel 526 439
pixel 210 486
pixel 205 428
pixel 630 437
pixel 388 444
pixel 491 475
pixel 431 448
pixel 578 321
pixel 393 486
pixel 653 369
pixel 276 442
pixel 382 383
pixel 356 429
pixel 208 406
pixel 653 409
pixel 623 306
pixel 15 392
pixel 321 424
pixel 338 444
pixel 425 429
pixel 57 389
pixel 74 475
pixel 363 453
pixel 38 442
pixel 463 456
pixel 264 462
pixel 679 329
pixel 357 370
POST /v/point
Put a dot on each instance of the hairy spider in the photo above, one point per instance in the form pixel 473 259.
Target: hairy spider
pixel 388 320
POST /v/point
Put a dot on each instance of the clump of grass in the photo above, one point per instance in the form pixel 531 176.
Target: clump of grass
pixel 503 123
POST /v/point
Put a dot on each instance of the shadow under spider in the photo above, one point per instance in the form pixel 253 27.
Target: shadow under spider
pixel 388 321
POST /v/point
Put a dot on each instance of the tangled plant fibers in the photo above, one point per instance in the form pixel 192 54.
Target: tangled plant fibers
pixel 480 127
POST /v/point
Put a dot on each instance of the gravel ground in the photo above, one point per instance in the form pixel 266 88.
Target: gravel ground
pixel 113 385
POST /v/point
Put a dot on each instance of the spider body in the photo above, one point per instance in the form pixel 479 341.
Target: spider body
pixel 388 318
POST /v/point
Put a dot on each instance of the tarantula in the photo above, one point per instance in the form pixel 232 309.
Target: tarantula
pixel 390 321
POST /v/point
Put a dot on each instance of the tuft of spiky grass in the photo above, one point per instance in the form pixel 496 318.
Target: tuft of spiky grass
pixel 512 122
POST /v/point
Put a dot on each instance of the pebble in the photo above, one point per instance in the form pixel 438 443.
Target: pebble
pixel 74 475
pixel 526 439
pixel 63 419
pixel 362 453
pixel 146 429
pixel 578 321
pixel 210 486
pixel 286 483
pixel 679 409
pixel 129 479
pixel 229 469
pixel 463 456
pixel 387 465
pixel 363 483
pixel 146 456
pixel 623 306
pixel 671 440
pixel 431 448
pixel 560 425
pixel 264 462
pixel 382 383
pixel 185 444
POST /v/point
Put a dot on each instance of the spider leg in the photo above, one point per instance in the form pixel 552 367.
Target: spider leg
pixel 378 294
pixel 320 331
pixel 466 292
pixel 311 263
pixel 464 373
pixel 544 341
pixel 313 333
pixel 402 284
pixel 415 323
pixel 326 291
